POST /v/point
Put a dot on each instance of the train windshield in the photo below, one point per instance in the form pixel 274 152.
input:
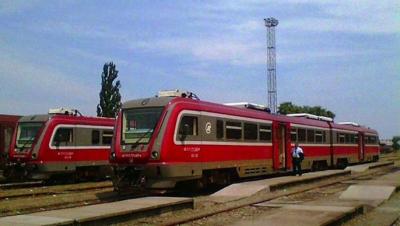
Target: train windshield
pixel 138 124
pixel 27 132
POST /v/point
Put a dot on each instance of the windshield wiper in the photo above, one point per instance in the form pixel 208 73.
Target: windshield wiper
pixel 143 136
pixel 25 143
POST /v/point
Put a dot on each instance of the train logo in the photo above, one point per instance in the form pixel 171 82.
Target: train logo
pixel 208 127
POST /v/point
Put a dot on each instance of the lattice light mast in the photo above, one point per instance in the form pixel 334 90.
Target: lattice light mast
pixel 271 23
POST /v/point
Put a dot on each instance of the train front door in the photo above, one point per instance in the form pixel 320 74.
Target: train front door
pixel 280 158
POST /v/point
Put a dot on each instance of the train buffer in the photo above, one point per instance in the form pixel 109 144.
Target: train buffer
pixel 101 213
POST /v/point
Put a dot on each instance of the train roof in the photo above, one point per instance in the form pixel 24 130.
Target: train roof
pixel 46 117
pixel 244 112
pixel 9 118
pixel 354 128
pixel 148 102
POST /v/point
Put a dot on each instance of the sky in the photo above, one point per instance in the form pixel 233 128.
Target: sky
pixel 341 55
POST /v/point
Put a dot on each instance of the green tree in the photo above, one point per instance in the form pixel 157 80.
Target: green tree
pixel 110 98
pixel 290 108
pixel 396 143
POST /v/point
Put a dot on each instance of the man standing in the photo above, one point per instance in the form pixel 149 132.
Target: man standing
pixel 297 157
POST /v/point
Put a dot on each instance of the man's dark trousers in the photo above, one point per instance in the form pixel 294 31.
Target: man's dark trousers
pixel 296 166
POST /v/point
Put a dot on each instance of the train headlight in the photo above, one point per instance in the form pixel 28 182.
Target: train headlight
pixel 113 155
pixel 154 155
pixel 34 156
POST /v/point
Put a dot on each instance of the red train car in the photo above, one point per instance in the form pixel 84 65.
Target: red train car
pixel 47 146
pixel 8 124
pixel 169 139
pixel 353 143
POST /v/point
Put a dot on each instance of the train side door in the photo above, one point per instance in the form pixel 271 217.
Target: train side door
pixel 280 145
pixel 361 146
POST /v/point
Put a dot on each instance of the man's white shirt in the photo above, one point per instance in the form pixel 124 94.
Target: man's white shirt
pixel 296 152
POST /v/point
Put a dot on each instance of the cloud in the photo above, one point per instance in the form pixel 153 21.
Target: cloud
pixel 366 16
pixel 28 82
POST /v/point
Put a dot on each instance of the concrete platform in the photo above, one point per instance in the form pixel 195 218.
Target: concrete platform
pixel 241 190
pixel 126 209
pixel 367 166
pixel 367 193
pixel 302 215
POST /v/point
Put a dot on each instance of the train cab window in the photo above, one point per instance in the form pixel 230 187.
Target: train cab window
pixel 220 129
pixel 310 136
pixel 188 126
pixel 107 137
pixel 293 135
pixel 63 137
pixel 250 131
pixel 95 137
pixel 301 135
pixel 233 130
pixel 319 137
pixel 265 133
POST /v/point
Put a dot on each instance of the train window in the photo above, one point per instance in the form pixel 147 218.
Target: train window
pixel 188 126
pixel 233 130
pixel 352 139
pixel 250 131
pixel 323 136
pixel 319 138
pixel 220 129
pixel 310 136
pixel 63 137
pixel 356 139
pixel 293 135
pixel 301 135
pixel 107 136
pixel 347 138
pixel 265 133
pixel 341 138
pixel 95 137
pixel 372 140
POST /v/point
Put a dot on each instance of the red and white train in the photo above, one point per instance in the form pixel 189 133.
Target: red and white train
pixel 61 142
pixel 172 138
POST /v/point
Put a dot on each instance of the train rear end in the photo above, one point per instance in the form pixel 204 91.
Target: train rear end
pixel 25 140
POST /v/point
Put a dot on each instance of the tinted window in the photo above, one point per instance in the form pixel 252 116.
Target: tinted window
pixel 347 138
pixel 293 135
pixel 265 133
pixel 107 136
pixel 220 129
pixel 250 131
pixel 233 130
pixel 301 135
pixel 188 126
pixel 310 136
pixel 319 138
pixel 95 137
pixel 63 137
pixel 341 138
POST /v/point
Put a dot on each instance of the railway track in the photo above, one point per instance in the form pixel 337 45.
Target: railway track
pixel 187 218
pixel 7 185
pixel 44 192
pixel 28 200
